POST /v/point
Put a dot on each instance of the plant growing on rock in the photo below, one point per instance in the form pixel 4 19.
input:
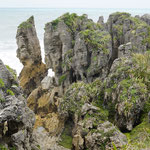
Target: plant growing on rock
pixel 2 85
pixel 10 92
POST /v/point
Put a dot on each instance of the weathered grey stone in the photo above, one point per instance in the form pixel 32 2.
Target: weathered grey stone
pixel 86 107
pixel 124 29
pixel 101 20
pixel 146 18
pixel 16 119
pixel 119 86
pixel 73 49
pixel 47 83
pixel 29 53
pixel 125 50
pixel 28 43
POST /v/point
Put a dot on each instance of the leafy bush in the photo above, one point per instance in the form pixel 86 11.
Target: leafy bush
pixel 10 92
pixel 95 38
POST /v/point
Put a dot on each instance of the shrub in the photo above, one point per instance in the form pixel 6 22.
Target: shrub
pixel 10 92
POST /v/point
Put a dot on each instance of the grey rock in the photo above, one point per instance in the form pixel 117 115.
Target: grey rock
pixel 125 50
pixel 146 18
pixel 29 53
pixel 126 110
pixel 124 29
pixel 28 43
pixel 47 83
pixel 16 119
pixel 101 20
pixel 86 107
pixel 69 54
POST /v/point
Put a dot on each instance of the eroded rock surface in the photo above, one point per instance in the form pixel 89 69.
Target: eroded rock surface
pixel 90 126
pixel 16 119
pixel 76 49
pixel 101 79
pixel 29 53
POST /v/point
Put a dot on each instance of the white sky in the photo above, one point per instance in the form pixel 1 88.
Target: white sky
pixel 76 3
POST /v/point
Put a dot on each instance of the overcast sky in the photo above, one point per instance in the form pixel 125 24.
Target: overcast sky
pixel 77 3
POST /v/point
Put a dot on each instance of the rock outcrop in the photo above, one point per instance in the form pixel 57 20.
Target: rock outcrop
pixel 76 49
pixel 101 79
pixel 125 92
pixel 16 119
pixel 124 29
pixel 29 54
pixel 82 105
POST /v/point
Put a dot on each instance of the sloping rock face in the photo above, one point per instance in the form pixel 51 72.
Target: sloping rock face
pixel 16 119
pixel 76 49
pixel 29 54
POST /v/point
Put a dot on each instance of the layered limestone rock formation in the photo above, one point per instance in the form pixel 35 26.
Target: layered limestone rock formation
pixel 101 85
pixel 123 29
pixel 76 49
pixel 82 104
pixel 29 54
pixel 16 119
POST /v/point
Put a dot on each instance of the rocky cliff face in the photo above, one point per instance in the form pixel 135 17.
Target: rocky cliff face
pixel 76 49
pixel 123 29
pixel 101 85
pixel 29 54
pixel 16 119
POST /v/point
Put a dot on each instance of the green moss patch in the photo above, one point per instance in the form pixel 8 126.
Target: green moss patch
pixel 139 138
pixel 66 136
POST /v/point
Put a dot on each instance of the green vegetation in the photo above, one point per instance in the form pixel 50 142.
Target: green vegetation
pixel 121 14
pixel 10 92
pixel 97 39
pixel 62 79
pixel 142 67
pixel 73 101
pixel 4 148
pixel 139 137
pixel 69 19
pixel 12 72
pixel 27 24
pixel 68 59
pixel 39 147
pixel 131 86
pixel 1 99
pixel 2 85
pixel 66 137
